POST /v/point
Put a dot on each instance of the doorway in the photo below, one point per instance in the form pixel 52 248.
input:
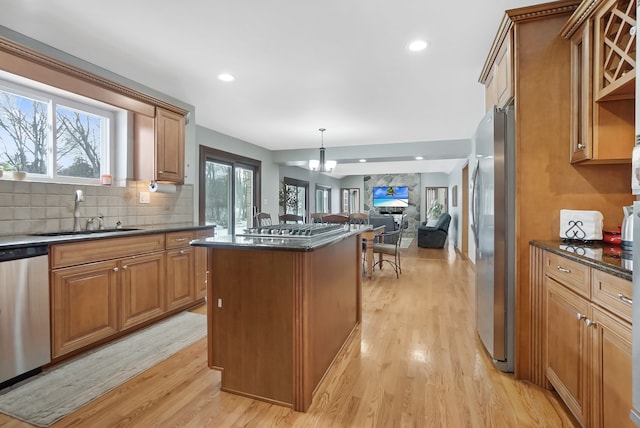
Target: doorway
pixel 294 198
pixel 229 190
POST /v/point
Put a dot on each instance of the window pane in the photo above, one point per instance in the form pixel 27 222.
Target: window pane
pixel 23 133
pixel 244 199
pixel 218 196
pixel 79 143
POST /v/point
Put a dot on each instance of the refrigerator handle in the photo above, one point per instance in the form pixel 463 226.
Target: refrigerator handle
pixel 474 203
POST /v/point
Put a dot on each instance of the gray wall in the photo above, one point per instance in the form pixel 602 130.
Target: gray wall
pixel 313 178
pixel 269 175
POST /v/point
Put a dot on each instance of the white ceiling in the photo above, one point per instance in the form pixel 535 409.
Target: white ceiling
pixel 299 65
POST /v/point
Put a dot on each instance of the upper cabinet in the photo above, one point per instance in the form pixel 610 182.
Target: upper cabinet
pixel 499 80
pixel 603 51
pixel 159 146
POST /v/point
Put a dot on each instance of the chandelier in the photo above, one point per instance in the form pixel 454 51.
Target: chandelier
pixel 322 165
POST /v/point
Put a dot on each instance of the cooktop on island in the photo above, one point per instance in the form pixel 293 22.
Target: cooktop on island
pixel 294 230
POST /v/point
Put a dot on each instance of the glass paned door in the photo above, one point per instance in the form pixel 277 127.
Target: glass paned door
pixel 228 201
pixel 218 196
pixel 297 199
pixel 244 199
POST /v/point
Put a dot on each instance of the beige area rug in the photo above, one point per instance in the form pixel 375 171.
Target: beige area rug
pixel 406 241
pixel 59 391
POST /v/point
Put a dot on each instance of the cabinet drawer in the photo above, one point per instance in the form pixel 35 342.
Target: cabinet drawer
pixel 612 293
pixel 179 239
pixel 571 274
pixel 75 253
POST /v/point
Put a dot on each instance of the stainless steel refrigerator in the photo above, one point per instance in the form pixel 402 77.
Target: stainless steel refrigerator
pixel 493 223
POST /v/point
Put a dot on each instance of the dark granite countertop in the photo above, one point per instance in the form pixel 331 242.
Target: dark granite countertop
pixel 279 243
pixel 599 255
pixel 19 241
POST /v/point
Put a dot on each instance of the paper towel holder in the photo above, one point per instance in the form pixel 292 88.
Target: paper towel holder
pixel 157 187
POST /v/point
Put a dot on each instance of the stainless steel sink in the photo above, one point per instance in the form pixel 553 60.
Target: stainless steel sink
pixel 84 232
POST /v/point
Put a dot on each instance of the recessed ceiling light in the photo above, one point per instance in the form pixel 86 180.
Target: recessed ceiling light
pixel 363 160
pixel 418 45
pixel 419 158
pixel 226 77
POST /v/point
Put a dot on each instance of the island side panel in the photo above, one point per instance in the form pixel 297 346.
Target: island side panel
pixel 252 331
pixel 335 296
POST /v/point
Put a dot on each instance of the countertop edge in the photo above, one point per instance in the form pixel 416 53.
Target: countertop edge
pixel 553 247
pixel 8 242
pixel 284 244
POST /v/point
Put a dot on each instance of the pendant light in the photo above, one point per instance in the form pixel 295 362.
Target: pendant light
pixel 322 165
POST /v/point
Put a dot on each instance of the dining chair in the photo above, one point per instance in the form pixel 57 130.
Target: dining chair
pixel 317 217
pixel 389 245
pixel 263 219
pixel 290 218
pixel 359 218
pixel 335 218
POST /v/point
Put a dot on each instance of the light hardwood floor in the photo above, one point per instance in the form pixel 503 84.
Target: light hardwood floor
pixel 415 362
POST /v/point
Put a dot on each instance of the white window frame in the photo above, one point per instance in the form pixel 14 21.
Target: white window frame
pixel 56 97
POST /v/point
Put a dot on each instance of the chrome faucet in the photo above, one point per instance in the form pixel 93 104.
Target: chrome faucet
pixel 100 222
pixel 76 212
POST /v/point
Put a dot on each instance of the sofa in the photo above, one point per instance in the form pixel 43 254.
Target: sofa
pixel 434 236
pixel 389 225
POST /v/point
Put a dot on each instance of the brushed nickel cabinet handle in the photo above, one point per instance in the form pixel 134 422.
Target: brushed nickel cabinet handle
pixel 625 298
pixel 590 323
pixel 565 270
pixel 580 316
pixel 181 239
pixel 115 269
pixel 581 146
pixel 125 266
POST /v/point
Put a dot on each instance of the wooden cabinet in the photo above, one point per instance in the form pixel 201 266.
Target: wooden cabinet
pixel 169 146
pixel 541 86
pixel 159 146
pixel 611 366
pixel 499 80
pixel 567 362
pixel 587 346
pixel 181 287
pixel 602 35
pixel 84 306
pixel 142 289
pixel 103 287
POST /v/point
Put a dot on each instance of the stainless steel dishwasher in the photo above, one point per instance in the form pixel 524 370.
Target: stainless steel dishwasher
pixel 25 343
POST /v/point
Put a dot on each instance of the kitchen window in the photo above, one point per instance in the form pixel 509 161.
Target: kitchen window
pixel 54 136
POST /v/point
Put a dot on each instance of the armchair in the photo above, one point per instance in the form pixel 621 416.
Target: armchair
pixel 434 236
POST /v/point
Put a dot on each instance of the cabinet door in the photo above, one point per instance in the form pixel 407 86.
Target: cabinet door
pixel 581 95
pixel 169 146
pixel 142 289
pixel 504 74
pixel 611 367
pixel 566 346
pixel 84 302
pixel 180 277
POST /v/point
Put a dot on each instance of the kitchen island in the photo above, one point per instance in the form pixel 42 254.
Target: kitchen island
pixel 280 308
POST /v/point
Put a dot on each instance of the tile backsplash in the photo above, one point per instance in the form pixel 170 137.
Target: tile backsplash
pixel 30 207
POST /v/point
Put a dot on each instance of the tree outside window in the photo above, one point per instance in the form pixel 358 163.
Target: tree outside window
pixel 76 148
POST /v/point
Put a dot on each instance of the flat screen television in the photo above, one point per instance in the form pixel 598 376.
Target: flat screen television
pixel 391 197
